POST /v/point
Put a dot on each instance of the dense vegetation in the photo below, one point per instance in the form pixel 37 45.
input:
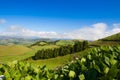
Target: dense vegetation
pixel 61 51
pixel 100 64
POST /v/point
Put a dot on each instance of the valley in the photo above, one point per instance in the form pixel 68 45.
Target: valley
pixel 18 54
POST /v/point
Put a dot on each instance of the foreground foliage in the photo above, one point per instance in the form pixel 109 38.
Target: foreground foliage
pixel 100 64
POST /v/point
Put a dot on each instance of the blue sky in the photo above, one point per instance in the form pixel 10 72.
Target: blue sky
pixel 59 18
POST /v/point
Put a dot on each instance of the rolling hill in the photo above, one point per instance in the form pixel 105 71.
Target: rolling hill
pixel 9 40
pixel 21 52
pixel 13 50
pixel 115 37
pixel 112 40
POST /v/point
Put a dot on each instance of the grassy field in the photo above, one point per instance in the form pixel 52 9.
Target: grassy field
pixel 13 50
pixel 9 58
pixel 64 42
pixel 104 43
pixel 58 61
pixel 113 40
pixel 114 37
pixel 19 52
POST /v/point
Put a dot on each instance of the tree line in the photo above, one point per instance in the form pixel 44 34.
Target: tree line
pixel 61 51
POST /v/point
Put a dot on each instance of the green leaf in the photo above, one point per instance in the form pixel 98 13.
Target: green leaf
pixel 72 74
pixel 91 74
pixel 81 77
pixel 106 70
pixel 113 72
pixel 107 60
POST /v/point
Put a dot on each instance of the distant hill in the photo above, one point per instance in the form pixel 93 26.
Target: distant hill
pixel 60 42
pixel 112 40
pixel 7 40
pixel 39 43
pixel 64 42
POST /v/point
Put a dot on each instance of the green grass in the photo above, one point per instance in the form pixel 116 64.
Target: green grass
pixel 64 42
pixel 9 58
pixel 20 52
pixel 58 61
pixel 13 50
pixel 105 43
pixel 113 40
pixel 115 37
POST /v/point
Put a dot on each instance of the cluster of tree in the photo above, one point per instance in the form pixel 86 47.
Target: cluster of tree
pixel 61 51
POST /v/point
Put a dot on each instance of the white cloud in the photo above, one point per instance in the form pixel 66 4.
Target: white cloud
pixel 2 21
pixel 92 32
pixel 21 31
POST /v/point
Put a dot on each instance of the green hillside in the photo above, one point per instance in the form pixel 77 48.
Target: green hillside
pixel 52 63
pixel 101 63
pixel 64 42
pixel 13 50
pixel 115 37
pixel 21 52
pixel 112 40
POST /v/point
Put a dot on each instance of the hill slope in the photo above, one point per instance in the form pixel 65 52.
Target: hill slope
pixel 112 40
pixel 115 37
pixel 13 50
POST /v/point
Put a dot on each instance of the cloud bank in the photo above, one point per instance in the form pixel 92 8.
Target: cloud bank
pixel 2 21
pixel 92 32
pixel 24 32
